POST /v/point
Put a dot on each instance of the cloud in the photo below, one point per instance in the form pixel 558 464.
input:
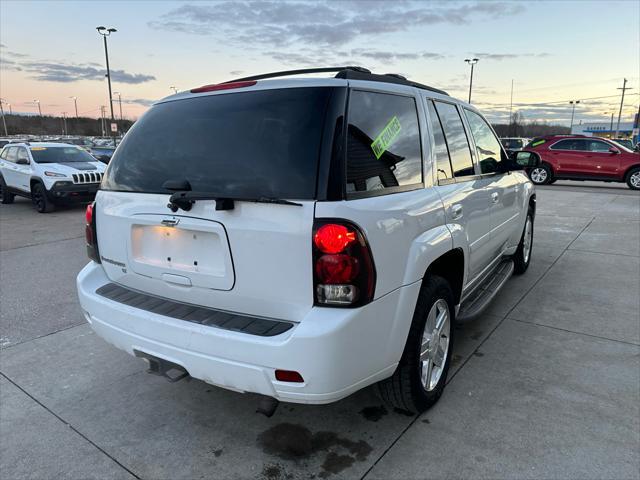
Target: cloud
pixel 328 23
pixel 139 101
pixel 508 56
pixel 67 73
pixel 235 73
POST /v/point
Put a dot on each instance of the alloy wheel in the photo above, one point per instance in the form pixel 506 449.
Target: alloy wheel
pixel 539 175
pixel 435 345
pixel 528 240
pixel 634 179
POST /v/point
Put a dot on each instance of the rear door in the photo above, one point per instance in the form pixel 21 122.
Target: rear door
pixel 254 258
pixel 570 157
pixel 9 167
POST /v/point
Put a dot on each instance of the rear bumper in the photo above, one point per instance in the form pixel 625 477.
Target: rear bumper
pixel 337 351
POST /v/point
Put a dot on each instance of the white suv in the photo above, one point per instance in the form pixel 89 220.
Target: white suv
pixel 49 174
pixel 304 238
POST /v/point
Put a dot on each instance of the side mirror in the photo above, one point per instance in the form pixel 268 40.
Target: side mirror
pixel 614 150
pixel 526 159
pixel 22 161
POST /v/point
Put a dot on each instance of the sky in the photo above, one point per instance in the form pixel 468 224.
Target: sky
pixel 553 51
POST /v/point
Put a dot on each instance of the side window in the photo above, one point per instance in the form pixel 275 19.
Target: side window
pixel 570 144
pixel 12 154
pixel 442 162
pixel 487 145
pixel 22 154
pixel 598 146
pixel 383 145
pixel 457 141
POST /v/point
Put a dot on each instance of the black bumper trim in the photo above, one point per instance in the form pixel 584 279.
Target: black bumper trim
pixel 210 317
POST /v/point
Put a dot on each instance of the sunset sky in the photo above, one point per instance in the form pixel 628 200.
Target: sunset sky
pixel 554 51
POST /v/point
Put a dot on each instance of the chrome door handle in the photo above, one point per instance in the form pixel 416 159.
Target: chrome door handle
pixel 456 212
pixel 494 197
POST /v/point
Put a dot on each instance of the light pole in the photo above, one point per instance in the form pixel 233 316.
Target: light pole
pixel 610 125
pixel 105 32
pixel 175 90
pixel 10 110
pixel 573 111
pixel 64 123
pixel 472 62
pixel 75 104
pixel 39 109
pixel 4 122
pixel 120 103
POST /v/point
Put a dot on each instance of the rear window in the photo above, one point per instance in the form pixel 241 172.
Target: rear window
pixel 241 145
pixel 60 155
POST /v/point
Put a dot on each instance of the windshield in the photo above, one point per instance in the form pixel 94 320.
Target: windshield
pixel 60 155
pixel 245 145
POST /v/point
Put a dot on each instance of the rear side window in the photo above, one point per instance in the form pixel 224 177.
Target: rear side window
pixel 263 143
pixel 443 165
pixel 570 144
pixel 383 145
pixel 488 147
pixel 459 149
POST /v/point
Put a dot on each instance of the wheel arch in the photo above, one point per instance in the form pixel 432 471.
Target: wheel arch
pixel 450 266
pixel 628 171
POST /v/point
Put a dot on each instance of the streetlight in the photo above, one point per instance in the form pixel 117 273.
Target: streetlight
pixel 610 125
pixel 64 123
pixel 105 32
pixel 75 104
pixel 175 90
pixel 39 109
pixel 472 62
pixel 573 111
pixel 120 102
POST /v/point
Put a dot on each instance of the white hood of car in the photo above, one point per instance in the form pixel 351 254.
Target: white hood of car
pixel 74 167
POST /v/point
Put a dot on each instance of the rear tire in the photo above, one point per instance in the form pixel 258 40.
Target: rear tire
pixel 522 257
pixel 633 178
pixel 421 375
pixel 40 199
pixel 541 175
pixel 6 196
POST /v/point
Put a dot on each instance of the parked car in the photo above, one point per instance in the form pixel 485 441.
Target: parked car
pixel 514 144
pixel 49 174
pixel 103 154
pixel 628 144
pixel 576 157
pixel 356 244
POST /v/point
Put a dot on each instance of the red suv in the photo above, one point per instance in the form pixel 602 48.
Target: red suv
pixel 576 157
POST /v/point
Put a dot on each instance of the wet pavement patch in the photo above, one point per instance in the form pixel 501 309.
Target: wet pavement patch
pixel 400 411
pixel 373 414
pixel 295 442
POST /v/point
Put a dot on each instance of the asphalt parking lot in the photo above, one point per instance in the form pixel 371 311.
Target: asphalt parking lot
pixel 546 384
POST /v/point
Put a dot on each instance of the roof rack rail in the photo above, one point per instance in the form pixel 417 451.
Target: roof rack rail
pixel 348 73
pixel 286 73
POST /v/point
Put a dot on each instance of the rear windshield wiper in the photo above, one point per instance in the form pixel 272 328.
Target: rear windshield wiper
pixel 185 200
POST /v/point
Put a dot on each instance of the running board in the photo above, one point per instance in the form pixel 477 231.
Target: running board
pixel 482 296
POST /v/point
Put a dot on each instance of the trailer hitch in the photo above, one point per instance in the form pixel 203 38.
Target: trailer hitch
pixel 163 368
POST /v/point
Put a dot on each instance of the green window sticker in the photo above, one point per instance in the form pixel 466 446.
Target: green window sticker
pixel 386 138
pixel 539 142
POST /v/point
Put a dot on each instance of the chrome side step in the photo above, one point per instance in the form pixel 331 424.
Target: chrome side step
pixel 482 296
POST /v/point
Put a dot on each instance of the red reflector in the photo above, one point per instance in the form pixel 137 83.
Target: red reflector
pixel 288 376
pixel 223 86
pixel 89 214
pixel 337 269
pixel 333 238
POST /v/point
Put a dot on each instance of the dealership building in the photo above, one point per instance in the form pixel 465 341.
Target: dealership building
pixel 607 130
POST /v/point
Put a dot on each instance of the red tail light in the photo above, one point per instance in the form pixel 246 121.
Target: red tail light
pixel 90 234
pixel 344 274
pixel 223 86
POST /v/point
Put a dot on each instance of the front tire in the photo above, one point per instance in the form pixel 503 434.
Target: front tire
pixel 40 199
pixel 6 196
pixel 421 375
pixel 633 178
pixel 522 257
pixel 541 175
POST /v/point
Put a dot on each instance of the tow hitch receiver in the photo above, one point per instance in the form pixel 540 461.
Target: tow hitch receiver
pixel 163 368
